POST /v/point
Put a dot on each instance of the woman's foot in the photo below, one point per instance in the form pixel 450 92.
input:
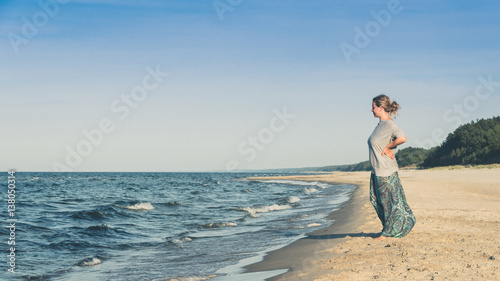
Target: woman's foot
pixel 380 238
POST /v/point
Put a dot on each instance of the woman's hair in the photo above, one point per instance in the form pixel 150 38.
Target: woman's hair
pixel 387 105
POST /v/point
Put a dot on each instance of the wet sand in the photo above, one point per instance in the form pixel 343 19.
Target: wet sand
pixel 457 235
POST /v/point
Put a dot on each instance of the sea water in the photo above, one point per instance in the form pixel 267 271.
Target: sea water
pixel 158 226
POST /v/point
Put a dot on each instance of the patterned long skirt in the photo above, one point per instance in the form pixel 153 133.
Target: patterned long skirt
pixel 388 198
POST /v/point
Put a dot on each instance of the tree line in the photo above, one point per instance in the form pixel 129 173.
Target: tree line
pixel 470 144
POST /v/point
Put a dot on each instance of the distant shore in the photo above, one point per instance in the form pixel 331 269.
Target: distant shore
pixel 456 235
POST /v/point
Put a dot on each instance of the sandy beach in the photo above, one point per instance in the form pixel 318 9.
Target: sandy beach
pixel 456 237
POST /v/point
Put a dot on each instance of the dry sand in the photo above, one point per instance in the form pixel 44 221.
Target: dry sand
pixel 456 237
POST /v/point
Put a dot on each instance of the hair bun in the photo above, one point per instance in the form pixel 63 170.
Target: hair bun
pixel 394 106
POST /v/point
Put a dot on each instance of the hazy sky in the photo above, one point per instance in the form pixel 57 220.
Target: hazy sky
pixel 204 85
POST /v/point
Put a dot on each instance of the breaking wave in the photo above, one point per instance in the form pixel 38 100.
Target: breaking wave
pixel 141 206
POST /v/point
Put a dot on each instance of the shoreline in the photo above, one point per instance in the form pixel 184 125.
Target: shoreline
pixel 345 222
pixel 456 235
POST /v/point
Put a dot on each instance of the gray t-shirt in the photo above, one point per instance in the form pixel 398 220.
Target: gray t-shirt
pixel 385 132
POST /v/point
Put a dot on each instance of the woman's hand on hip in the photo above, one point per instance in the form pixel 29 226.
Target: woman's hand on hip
pixel 387 151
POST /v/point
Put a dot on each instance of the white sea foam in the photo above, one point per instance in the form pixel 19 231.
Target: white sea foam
pixel 90 262
pixel 219 224
pixel 310 190
pixel 179 242
pixel 323 185
pixel 309 225
pixel 253 211
pixel 141 206
pixel 292 199
pixel 186 239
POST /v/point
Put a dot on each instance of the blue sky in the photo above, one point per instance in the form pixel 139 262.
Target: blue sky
pixel 231 79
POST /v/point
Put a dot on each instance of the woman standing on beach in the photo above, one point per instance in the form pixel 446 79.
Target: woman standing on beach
pixel 386 192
